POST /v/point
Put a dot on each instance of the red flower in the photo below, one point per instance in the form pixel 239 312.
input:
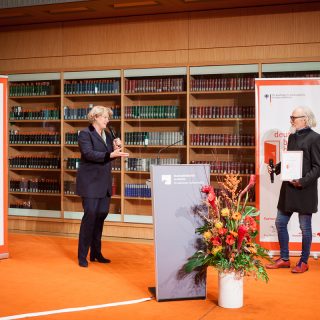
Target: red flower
pixel 242 231
pixel 251 183
pixel 206 189
pixel 211 196
pixel 250 223
pixel 216 241
pixel 230 240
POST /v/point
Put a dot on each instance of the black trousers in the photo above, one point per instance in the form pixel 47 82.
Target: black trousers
pixel 95 212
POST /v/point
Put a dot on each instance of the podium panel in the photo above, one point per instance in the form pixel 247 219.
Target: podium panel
pixel 175 191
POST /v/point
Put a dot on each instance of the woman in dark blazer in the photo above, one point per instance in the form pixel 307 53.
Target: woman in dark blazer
pixel 94 182
pixel 299 195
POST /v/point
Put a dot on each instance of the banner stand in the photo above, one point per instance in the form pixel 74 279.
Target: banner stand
pixel 3 169
pixel 275 100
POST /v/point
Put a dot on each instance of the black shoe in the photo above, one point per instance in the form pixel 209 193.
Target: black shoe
pixel 83 263
pixel 100 259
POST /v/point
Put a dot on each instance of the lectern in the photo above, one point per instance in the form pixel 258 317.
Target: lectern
pixel 175 192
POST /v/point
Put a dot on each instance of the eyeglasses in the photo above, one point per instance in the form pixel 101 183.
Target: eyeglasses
pixel 292 118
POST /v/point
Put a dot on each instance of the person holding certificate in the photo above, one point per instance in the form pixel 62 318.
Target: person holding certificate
pixel 301 194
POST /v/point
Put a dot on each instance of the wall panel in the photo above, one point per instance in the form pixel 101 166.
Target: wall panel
pixel 28 42
pixel 30 65
pixel 174 39
pixel 126 60
pixel 165 32
pixel 290 52
pixel 212 30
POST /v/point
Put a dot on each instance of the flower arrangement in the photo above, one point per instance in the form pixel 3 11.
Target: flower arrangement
pixel 228 234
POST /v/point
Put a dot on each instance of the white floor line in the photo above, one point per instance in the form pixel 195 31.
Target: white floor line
pixel 99 306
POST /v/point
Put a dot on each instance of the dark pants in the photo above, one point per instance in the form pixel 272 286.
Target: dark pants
pixel 306 229
pixel 95 212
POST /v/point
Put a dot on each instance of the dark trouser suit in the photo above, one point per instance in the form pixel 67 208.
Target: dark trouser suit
pixel 95 212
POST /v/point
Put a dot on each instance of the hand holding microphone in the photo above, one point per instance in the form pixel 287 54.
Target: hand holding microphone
pixel 116 140
pixel 271 170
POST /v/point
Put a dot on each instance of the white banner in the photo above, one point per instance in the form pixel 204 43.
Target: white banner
pixel 275 101
pixel 3 168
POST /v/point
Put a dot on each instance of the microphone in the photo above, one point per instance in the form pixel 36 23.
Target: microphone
pixel 271 165
pixel 165 148
pixel 113 134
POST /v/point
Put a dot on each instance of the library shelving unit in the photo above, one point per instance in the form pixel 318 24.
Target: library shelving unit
pixel 173 115
pixel 222 120
pixel 34 145
pixel 82 91
pixel 291 70
pixel 154 131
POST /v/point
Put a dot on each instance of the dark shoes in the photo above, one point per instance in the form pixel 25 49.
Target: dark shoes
pixel 100 259
pixel 83 263
pixel 301 267
pixel 279 263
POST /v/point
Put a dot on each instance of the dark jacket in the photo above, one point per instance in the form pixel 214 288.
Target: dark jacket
pixel 94 178
pixel 305 198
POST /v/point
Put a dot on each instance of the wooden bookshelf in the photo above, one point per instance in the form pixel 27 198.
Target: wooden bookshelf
pixel 194 111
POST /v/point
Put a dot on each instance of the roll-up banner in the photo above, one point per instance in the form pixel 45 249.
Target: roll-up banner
pixel 275 101
pixel 3 169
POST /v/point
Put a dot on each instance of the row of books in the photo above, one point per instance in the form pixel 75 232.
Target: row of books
pixel 222 112
pixel 93 86
pixel 219 139
pixel 154 138
pixel 292 74
pixel 143 164
pixel 34 162
pixel 21 113
pixel 42 88
pixel 35 185
pixel 223 83
pixel 69 187
pixel 155 85
pixel 21 204
pixel 71 138
pixel 71 113
pixel 224 167
pixel 138 190
pixel 34 138
pixel 152 112
pixel 73 164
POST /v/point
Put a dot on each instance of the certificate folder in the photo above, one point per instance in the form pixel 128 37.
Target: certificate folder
pixel 291 165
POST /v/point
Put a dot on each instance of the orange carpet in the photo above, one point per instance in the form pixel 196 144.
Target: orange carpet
pixel 42 274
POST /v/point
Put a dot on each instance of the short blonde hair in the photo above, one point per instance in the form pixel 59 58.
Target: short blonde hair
pixel 97 111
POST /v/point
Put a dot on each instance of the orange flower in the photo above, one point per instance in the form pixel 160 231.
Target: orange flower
pixel 236 216
pixel 235 234
pixel 222 231
pixel 230 240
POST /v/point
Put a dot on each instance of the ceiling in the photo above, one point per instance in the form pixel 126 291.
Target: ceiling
pixel 23 13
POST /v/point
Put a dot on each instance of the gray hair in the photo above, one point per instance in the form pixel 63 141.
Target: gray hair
pixel 310 117
pixel 97 111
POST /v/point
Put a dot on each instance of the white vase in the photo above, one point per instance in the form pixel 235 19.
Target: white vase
pixel 230 290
